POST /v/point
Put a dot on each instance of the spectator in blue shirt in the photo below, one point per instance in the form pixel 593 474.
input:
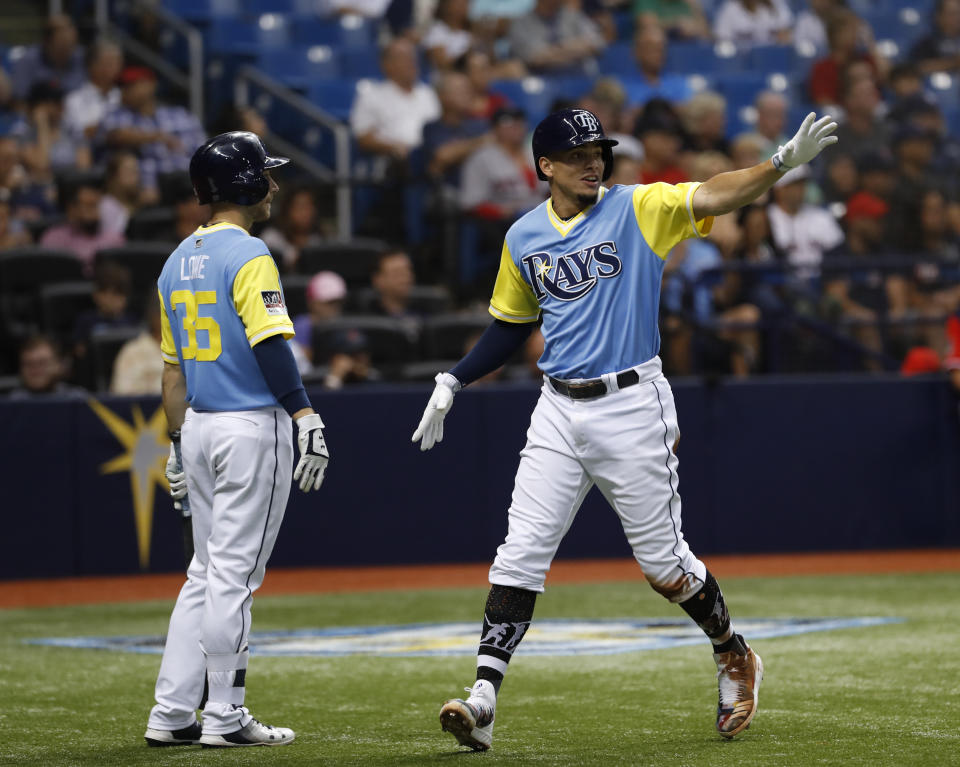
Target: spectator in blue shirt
pixel 164 137
pixel 650 81
pixel 58 58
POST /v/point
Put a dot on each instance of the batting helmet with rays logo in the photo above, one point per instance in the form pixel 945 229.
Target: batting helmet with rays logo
pixel 230 168
pixel 567 129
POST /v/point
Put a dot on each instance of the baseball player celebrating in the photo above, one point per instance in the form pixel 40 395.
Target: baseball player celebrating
pixel 231 386
pixel 590 261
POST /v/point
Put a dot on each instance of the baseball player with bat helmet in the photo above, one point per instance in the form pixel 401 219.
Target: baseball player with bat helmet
pixel 589 261
pixel 231 386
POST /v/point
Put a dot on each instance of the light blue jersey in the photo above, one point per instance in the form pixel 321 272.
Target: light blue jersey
pixel 595 277
pixel 220 295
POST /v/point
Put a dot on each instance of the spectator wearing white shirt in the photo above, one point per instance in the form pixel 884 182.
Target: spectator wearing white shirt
pixel 771 119
pixel 388 116
pixel 754 22
pixel 810 33
pixel 803 232
pixel 448 37
pixel 86 106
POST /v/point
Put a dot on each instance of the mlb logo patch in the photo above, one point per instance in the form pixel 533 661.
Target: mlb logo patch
pixel 273 302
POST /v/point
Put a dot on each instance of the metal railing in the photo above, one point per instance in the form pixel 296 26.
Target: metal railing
pixel 190 81
pixel 249 78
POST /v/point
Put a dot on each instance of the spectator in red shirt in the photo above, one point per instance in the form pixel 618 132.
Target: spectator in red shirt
pixel 851 40
pixel 661 133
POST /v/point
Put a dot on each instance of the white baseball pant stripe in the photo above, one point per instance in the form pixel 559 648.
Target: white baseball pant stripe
pixel 238 467
pixel 622 442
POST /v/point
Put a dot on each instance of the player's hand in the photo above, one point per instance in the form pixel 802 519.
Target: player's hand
pixel 313 453
pixel 811 140
pixel 430 430
pixel 175 477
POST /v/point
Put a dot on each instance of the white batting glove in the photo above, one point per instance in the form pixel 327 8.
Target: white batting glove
pixel 176 477
pixel 313 453
pixel 430 430
pixel 811 140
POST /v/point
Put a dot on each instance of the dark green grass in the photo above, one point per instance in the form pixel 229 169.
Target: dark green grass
pixel 886 695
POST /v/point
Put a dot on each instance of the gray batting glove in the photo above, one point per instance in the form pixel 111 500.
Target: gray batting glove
pixel 430 430
pixel 175 477
pixel 811 140
pixel 313 453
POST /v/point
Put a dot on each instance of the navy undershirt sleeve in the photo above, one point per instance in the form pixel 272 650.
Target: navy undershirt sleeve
pixel 493 349
pixel 279 368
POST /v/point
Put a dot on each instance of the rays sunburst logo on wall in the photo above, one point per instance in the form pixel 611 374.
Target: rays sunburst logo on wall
pixel 147 446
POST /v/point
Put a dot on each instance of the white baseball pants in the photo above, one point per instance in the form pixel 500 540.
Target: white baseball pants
pixel 238 467
pixel 622 442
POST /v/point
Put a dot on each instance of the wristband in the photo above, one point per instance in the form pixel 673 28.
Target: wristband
pixel 779 164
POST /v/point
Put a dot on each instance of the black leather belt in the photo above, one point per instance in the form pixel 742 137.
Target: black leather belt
pixel 595 387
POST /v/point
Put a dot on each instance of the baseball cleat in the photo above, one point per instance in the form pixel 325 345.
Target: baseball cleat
pixel 188 736
pixel 738 680
pixel 470 721
pixel 254 734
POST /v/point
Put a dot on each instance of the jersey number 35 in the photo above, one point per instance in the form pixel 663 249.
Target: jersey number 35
pixel 192 322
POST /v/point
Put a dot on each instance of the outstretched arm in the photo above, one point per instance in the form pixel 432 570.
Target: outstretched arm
pixel 726 192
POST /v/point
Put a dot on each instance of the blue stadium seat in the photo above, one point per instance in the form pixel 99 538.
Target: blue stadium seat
pixel 532 94
pixel 334 96
pixel 740 90
pixel 203 10
pixel 623 21
pixel 617 59
pixel 772 58
pixel 298 66
pixel 899 25
pixel 570 87
pixel 346 32
pixel 246 38
pixel 698 57
pixel 359 62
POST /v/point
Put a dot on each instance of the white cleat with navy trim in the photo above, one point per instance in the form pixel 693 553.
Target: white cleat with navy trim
pixel 253 734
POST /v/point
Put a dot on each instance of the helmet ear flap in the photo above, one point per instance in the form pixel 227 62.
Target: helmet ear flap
pixel 607 161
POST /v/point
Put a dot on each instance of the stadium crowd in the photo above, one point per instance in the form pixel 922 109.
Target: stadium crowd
pixel 852 264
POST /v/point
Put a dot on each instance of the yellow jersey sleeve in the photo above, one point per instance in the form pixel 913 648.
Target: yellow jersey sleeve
pixel 665 215
pixel 513 299
pixel 259 301
pixel 168 349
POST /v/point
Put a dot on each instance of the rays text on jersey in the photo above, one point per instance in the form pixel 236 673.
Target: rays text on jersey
pixel 572 275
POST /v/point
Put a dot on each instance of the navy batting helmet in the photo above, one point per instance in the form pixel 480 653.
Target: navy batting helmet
pixel 567 129
pixel 229 168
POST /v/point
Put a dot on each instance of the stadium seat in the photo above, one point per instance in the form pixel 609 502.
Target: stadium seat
pixel 446 335
pixel 334 96
pixel 773 58
pixel 144 260
pixel 343 33
pixel 203 10
pixel 61 304
pixel 390 342
pixel 295 293
pixel 150 223
pixel 532 94
pixel 105 344
pixel 685 57
pixel 23 271
pixel 617 60
pixel 425 370
pixel 352 260
pixel 357 63
pixel 246 38
pixel 297 66
pixel 424 299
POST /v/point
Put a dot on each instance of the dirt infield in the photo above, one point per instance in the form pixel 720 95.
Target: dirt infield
pixel 135 588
